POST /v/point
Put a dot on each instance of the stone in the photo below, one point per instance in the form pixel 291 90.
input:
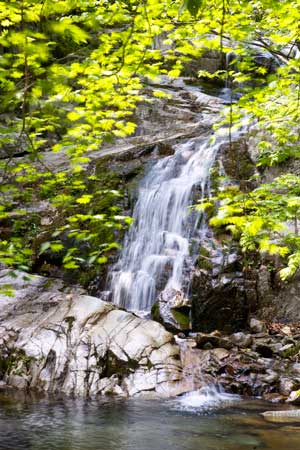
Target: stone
pixel 241 339
pixel 79 345
pixel 17 381
pixel 263 281
pixel 290 415
pixel 274 397
pixel 216 305
pixel 277 347
pixel 270 377
pixel 296 368
pixel 286 330
pixel 288 340
pixel 286 386
pixel 213 340
pixel 294 398
pixel 220 353
pixel 257 326
pixel 172 310
pixel 287 350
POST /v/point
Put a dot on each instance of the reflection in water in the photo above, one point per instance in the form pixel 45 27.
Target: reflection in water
pixel 29 423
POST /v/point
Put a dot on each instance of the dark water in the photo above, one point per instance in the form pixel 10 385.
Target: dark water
pixel 65 424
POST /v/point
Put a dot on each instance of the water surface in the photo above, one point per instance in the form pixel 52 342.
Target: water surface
pixel 40 423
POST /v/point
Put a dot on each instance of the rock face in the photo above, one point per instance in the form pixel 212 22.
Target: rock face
pixel 218 290
pixel 59 341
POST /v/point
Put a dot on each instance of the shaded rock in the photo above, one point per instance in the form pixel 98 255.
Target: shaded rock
pixel 241 339
pixel 263 350
pixel 257 326
pixel 237 162
pixel 218 303
pixel 172 310
pixel 215 341
pixel 276 348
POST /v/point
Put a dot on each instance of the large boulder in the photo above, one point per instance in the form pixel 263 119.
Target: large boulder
pixel 172 309
pixel 59 340
pixel 218 302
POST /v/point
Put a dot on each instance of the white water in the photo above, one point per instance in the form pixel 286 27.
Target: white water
pixel 206 398
pixel 156 248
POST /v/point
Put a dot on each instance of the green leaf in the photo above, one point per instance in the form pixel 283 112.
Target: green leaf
pixel 45 246
pixel 193 6
pixel 85 199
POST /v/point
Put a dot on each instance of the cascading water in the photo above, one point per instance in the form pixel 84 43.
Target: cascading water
pixel 156 248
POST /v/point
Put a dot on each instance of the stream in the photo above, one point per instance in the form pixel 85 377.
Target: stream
pixel 46 423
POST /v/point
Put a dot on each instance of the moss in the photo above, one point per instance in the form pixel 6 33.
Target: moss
pixel 70 321
pixel 155 312
pixel 204 261
pixel 182 317
pixel 291 351
pixel 12 361
pixel 111 365
pixel 48 284
pixel 204 252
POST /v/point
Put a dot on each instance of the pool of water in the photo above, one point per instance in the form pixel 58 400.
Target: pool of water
pixel 46 423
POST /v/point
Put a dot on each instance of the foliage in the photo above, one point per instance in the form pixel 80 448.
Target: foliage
pixel 266 219
pixel 71 76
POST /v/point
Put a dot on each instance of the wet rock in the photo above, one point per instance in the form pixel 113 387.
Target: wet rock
pixel 274 397
pixel 257 326
pixel 245 168
pixel 241 339
pixel 213 340
pixel 172 310
pixel 290 415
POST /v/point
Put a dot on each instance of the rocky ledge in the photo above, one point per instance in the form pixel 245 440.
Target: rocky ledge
pixel 261 362
pixel 58 339
pixel 55 338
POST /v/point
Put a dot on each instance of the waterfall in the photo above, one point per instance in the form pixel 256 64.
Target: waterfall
pixel 157 246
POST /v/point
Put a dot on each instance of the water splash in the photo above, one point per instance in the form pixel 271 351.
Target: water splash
pixel 157 247
pixel 205 399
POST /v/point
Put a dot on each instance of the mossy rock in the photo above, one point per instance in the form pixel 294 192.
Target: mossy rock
pixel 182 317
